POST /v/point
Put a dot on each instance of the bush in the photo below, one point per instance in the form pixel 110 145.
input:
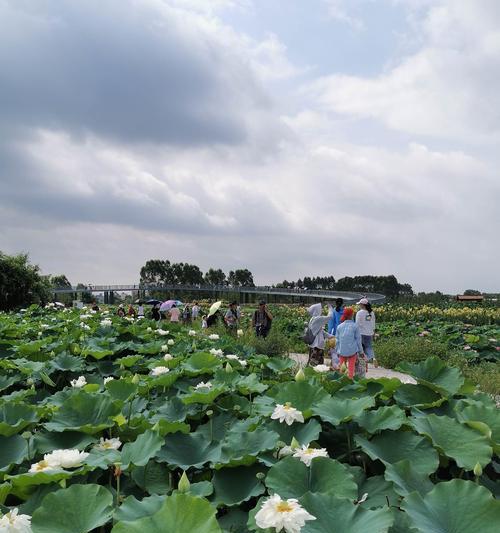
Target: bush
pixel 276 343
pixel 392 351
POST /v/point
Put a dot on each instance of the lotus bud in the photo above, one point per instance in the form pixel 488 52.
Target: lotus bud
pixel 280 444
pixel 135 379
pixel 156 427
pixel 294 444
pixel 184 485
pixel 26 435
pixel 229 368
pixel 478 470
pixel 30 382
pixel 260 475
pixel 300 376
pixel 209 412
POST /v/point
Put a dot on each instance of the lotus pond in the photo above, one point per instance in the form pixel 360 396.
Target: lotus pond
pixel 109 424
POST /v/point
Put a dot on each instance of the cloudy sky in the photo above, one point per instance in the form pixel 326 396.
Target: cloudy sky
pixel 292 137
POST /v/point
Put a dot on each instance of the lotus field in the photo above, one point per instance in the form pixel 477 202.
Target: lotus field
pixel 130 426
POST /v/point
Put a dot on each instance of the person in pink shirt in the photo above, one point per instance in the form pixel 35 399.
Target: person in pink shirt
pixel 174 313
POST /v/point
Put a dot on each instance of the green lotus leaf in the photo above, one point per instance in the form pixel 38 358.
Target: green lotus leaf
pixel 291 478
pixel 173 410
pixel 336 411
pixel 204 395
pixel 490 416
pixel 436 375
pixel 302 395
pixel 180 513
pixel 140 452
pixel 186 451
pixel 336 515
pixel 46 442
pixel 77 509
pixel 393 446
pixel 8 381
pixel 236 485
pixel 121 389
pixel 129 360
pixel 165 380
pixel 201 363
pixel 409 395
pixel 15 416
pixel 67 362
pixel 406 479
pixel 380 493
pixel 85 412
pixel 466 446
pixel 102 458
pixel 5 489
pixel 250 384
pixel 303 433
pixel 280 364
pixel 456 506
pixel 382 418
pixel 132 509
pixel 242 447
pixel 164 427
pixel 154 477
pixel 23 484
pixel 13 450
pixel 201 488
pixel 401 523
pixel 98 349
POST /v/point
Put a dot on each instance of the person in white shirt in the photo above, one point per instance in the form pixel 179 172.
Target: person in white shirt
pixel 365 319
pixel 195 311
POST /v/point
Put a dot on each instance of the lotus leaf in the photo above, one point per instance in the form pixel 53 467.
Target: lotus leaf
pixel 13 450
pixel 382 418
pixel 186 451
pixel 337 411
pixel 406 479
pixel 140 452
pixel 15 416
pixel 436 375
pixel 236 485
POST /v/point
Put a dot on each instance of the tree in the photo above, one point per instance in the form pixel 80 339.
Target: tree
pixel 156 272
pixel 21 283
pixel 215 277
pixel 240 278
pixel 87 297
pixel 62 282
pixel 472 292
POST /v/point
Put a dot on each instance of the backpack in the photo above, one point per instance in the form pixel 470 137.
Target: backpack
pixel 308 336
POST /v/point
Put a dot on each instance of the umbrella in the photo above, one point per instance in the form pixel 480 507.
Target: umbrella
pixel 166 306
pixel 59 304
pixel 153 302
pixel 214 308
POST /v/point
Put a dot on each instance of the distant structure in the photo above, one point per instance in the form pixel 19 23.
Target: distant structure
pixel 470 298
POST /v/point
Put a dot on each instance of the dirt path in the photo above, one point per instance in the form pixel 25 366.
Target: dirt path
pixel 373 372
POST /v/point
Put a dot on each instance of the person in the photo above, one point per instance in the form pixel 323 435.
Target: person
pixel 204 324
pixel 365 319
pixel 95 307
pixel 348 341
pixel 120 311
pixel 262 320
pixel 232 317
pixel 131 311
pixel 155 312
pixel 337 315
pixel 317 325
pixel 140 309
pixel 195 311
pixel 174 313
pixel 213 319
pixel 186 315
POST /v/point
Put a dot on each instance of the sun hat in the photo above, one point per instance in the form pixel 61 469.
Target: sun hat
pixel 363 301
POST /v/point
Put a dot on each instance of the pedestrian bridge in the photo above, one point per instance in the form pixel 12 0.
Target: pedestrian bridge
pixel 216 291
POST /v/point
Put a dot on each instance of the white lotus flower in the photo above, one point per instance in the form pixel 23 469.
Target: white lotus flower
pixel 214 337
pixel 170 342
pixel 12 522
pixel 288 414
pixel 84 326
pixel 65 458
pixel 239 333
pixel 306 454
pixel 159 370
pixel 162 332
pixel 242 362
pixel 106 322
pixel 49 305
pixel 203 385
pixel 149 329
pixel 232 356
pixel 92 312
pixel 108 379
pixel 42 466
pixel 282 515
pixel 168 357
pixel 321 368
pixel 108 444
pixel 285 451
pixel 216 352
pixel 78 383
pixel 191 332
pixel 164 347
pixel 130 318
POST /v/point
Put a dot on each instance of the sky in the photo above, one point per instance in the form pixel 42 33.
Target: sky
pixel 290 137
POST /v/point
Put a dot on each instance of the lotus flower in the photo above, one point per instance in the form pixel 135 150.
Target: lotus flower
pixel 108 444
pixel 321 368
pixel 162 332
pixel 106 322
pixel 164 347
pixel 191 332
pixel 287 515
pixel 216 352
pixel 159 370
pixel 240 333
pixel 12 522
pixel 203 385
pixel 168 357
pixel 66 458
pixel 78 383
pixel 214 337
pixel 306 454
pixel 108 379
pixel 170 342
pixel 288 414
pixel 232 356
pixel 242 362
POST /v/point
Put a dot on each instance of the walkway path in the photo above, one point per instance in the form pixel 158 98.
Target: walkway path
pixel 373 372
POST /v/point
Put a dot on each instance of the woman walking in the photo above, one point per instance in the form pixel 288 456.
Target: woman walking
pixel 334 322
pixel 348 341
pixel 317 325
pixel 365 319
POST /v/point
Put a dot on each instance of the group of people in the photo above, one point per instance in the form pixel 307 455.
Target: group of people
pixel 351 335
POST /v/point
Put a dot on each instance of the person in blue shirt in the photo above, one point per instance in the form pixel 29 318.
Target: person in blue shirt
pixel 337 315
pixel 348 341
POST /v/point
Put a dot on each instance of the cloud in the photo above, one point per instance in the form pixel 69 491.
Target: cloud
pixel 449 88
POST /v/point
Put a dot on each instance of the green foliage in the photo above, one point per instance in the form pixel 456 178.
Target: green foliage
pixel 392 351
